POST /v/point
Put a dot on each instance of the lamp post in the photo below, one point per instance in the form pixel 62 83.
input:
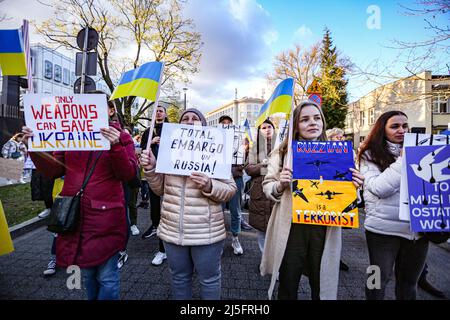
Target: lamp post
pixel 185 89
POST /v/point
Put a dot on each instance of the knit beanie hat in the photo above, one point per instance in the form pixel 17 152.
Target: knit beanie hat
pixel 198 113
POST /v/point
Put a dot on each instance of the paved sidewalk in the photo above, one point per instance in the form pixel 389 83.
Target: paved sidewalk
pixel 21 272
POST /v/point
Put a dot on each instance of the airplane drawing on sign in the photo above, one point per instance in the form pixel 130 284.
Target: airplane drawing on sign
pixel 317 163
pixel 328 194
pixel 314 184
pixel 298 192
pixel 340 175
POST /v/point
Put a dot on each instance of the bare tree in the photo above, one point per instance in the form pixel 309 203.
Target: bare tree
pixel 131 32
pixel 300 64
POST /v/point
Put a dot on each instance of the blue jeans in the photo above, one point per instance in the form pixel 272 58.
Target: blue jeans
pixel 235 207
pixel 103 282
pixel 206 262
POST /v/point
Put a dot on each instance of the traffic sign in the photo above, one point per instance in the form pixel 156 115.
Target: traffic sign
pixel 317 98
pixel 92 39
pixel 314 87
pixel 89 85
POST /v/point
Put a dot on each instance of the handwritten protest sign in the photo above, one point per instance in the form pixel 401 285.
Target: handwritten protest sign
pixel 66 123
pixel 238 142
pixel 428 175
pixel 415 140
pixel 322 188
pixel 184 149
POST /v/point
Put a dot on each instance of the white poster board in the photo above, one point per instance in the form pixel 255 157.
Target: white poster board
pixel 66 123
pixel 414 139
pixel 238 142
pixel 184 149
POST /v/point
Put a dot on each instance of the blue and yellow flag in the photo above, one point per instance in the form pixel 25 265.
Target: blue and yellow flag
pixel 280 101
pixel 140 82
pixel 12 54
pixel 248 132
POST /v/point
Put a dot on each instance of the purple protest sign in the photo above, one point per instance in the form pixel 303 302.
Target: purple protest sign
pixel 428 174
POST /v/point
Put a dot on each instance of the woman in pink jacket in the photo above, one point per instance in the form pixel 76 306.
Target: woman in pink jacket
pixel 102 230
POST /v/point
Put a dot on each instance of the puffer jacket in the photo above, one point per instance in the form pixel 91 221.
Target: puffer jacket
pixel 189 216
pixel 382 196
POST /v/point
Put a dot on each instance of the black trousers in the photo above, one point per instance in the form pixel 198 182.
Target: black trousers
pixel 303 255
pixel 408 256
pixel 155 214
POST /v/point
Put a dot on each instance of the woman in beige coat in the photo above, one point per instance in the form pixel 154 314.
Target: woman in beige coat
pixel 192 225
pixel 291 248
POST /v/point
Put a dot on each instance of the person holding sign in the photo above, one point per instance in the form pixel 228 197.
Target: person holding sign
pixel 260 206
pixel 102 232
pixel 192 224
pixel 292 248
pixel 390 240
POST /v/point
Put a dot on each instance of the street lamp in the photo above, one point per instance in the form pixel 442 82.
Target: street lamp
pixel 185 89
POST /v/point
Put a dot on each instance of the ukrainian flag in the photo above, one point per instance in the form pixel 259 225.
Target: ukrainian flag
pixel 248 132
pixel 280 101
pixel 140 82
pixel 12 55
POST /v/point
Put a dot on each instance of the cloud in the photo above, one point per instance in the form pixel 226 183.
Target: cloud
pixel 304 36
pixel 237 36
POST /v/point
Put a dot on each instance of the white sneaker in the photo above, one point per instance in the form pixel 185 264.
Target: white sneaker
pixel 159 258
pixel 51 268
pixel 237 248
pixel 44 214
pixel 134 230
pixel 123 257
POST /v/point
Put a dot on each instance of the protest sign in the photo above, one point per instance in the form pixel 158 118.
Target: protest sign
pixel 184 149
pixel 322 188
pixel 66 123
pixel 11 168
pixel 415 139
pixel 428 175
pixel 238 142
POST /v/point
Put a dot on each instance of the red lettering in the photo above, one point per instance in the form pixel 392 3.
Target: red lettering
pixel 39 126
pixel 66 108
pixel 36 113
pixel 58 114
pixel 65 126
pixel 93 112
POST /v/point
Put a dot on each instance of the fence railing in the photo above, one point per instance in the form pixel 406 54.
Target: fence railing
pixel 7 111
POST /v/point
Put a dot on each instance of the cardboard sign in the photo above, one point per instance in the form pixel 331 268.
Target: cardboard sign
pixel 428 174
pixel 185 149
pixel 66 123
pixel 322 191
pixel 11 169
pixel 419 140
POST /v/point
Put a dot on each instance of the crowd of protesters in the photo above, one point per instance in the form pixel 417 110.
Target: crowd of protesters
pixel 187 212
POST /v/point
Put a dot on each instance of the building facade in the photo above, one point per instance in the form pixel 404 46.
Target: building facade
pixel 238 110
pixel 54 73
pixel 424 98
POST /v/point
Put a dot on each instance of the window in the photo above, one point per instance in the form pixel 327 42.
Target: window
pixel 349 120
pixel 362 118
pixel 371 115
pixel 66 76
pixel 58 73
pixel 48 72
pixel 441 104
pixel 72 77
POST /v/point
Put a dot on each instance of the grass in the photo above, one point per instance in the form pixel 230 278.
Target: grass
pixel 16 200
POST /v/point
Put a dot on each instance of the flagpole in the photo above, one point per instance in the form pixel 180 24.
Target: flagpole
pixel 289 146
pixel 155 106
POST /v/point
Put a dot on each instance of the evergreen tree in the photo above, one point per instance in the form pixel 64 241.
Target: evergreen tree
pixel 333 83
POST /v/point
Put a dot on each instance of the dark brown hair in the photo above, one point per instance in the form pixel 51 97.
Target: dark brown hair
pixel 376 142
pixel 296 120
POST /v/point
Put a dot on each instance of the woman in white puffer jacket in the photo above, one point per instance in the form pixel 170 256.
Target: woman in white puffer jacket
pixel 390 240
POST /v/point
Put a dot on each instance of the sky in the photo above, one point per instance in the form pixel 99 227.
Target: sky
pixel 241 38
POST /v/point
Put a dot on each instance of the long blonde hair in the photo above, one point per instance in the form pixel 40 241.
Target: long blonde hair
pixel 296 119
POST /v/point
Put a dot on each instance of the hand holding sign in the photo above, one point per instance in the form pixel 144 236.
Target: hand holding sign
pixel 285 179
pixel 357 178
pixel 148 160
pixel 111 134
pixel 202 181
pixel 27 133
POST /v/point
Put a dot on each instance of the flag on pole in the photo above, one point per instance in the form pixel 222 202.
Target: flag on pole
pixel 6 244
pixel 27 50
pixel 12 54
pixel 248 132
pixel 280 101
pixel 140 82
